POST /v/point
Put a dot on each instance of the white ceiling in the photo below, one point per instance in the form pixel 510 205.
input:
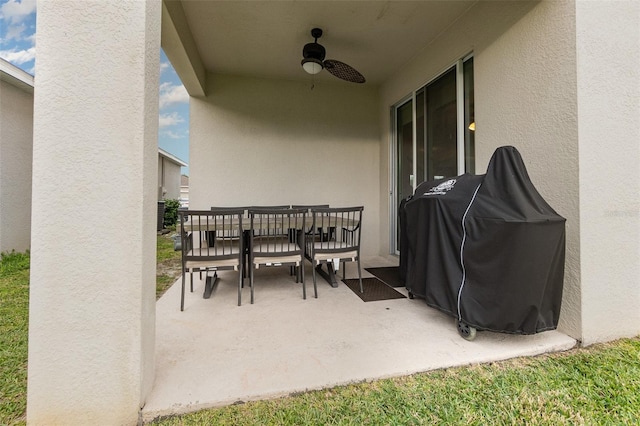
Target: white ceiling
pixel 265 38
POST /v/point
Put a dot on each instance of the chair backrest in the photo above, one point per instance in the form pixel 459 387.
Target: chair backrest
pixel 270 207
pixel 309 206
pixel 229 208
pixel 336 230
pixel 243 208
pixel 211 234
pixel 275 231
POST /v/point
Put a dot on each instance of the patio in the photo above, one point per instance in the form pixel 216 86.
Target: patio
pixel 217 353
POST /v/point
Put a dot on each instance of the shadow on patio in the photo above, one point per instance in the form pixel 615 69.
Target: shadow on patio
pixel 217 353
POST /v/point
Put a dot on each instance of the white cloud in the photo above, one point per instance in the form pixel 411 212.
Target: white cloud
pixel 15 32
pixel 173 135
pixel 170 94
pixel 166 120
pixel 164 66
pixel 18 57
pixel 16 11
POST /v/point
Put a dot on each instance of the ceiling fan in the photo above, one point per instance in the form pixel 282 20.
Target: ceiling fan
pixel 313 61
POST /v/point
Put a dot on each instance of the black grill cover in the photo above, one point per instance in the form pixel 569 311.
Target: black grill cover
pixel 486 249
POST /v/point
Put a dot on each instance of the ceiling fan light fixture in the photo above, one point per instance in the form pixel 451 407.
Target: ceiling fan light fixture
pixel 313 61
pixel 312 65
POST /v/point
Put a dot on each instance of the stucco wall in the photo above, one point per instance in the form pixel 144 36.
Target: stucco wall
pixel 475 30
pixel 525 96
pixel 559 80
pixel 92 284
pixel 608 55
pixel 266 142
pixel 16 151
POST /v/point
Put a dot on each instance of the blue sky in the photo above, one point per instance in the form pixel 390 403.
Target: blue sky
pixel 17 45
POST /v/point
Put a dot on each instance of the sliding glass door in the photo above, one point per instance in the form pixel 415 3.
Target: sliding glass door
pixel 433 135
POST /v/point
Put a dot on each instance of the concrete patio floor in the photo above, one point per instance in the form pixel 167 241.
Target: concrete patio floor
pixel 217 353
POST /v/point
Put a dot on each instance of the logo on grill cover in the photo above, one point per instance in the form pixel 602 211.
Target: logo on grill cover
pixel 442 188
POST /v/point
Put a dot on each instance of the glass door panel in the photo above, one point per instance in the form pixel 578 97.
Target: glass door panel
pixel 404 156
pixel 421 149
pixel 442 160
pixel 469 119
pixel 404 129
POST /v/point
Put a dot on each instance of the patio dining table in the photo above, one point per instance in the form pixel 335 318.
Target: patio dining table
pixel 232 227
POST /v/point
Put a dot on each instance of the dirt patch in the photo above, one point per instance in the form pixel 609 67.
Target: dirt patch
pixel 169 268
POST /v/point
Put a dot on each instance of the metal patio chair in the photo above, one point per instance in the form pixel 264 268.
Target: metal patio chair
pixel 275 240
pixel 336 240
pixel 308 230
pixel 211 241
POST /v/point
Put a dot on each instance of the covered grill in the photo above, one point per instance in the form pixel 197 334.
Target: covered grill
pixel 486 249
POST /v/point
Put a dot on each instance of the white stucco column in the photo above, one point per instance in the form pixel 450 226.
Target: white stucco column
pixel 92 301
pixel 608 76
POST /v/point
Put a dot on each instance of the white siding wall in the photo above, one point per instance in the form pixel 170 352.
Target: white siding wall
pixel 168 179
pixel 16 152
pixel 171 180
pixel 265 141
pixel 160 176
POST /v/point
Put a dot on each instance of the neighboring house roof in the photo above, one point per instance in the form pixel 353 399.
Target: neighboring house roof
pixel 171 158
pixel 15 76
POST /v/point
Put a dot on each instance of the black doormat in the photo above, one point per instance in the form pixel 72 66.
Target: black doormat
pixel 388 274
pixel 374 289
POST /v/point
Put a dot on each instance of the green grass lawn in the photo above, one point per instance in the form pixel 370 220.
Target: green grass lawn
pixel 14 318
pixel 599 385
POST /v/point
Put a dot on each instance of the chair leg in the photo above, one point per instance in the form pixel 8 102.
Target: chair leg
pixel 250 266
pixel 182 294
pixel 360 276
pixel 244 268
pixel 315 287
pixel 240 285
pixel 191 276
pixel 313 271
pixel 300 274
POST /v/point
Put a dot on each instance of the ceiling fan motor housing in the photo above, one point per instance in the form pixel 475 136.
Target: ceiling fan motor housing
pixel 313 51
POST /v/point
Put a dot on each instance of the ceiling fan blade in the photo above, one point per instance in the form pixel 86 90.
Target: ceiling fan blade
pixel 343 71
